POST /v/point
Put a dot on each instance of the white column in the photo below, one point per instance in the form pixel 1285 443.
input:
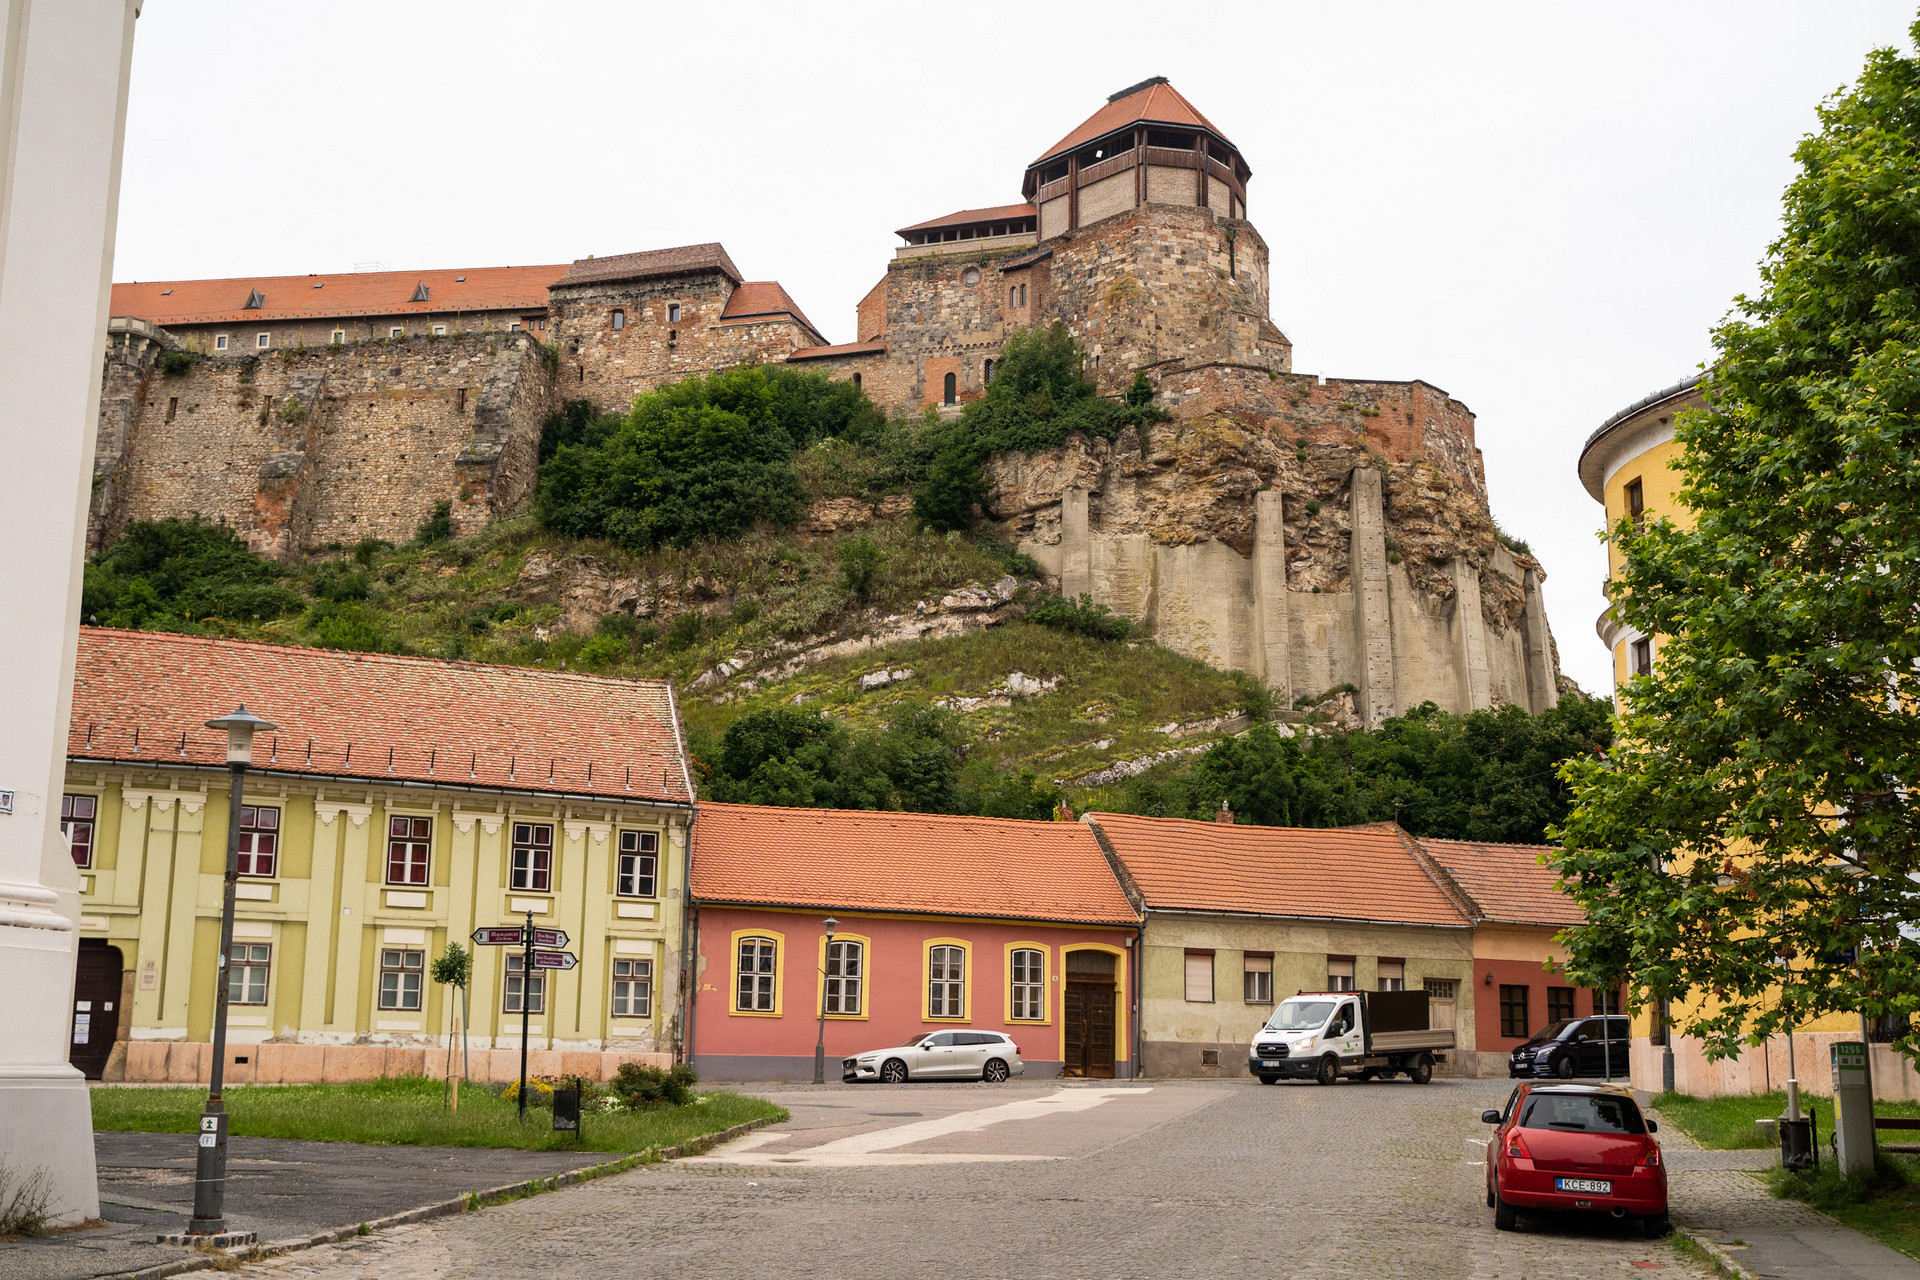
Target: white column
pixel 63 103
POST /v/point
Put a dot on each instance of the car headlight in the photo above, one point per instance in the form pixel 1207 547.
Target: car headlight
pixel 1544 1053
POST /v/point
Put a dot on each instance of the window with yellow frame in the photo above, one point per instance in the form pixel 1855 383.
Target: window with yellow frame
pixel 759 959
pixel 843 975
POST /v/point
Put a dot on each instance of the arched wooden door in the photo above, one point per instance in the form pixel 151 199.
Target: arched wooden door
pixel 1089 1014
pixel 96 1006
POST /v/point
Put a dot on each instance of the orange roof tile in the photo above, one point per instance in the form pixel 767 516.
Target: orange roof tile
pixel 652 262
pixel 878 347
pixel 998 868
pixel 967 217
pixel 1505 882
pixel 1154 102
pixel 759 298
pixel 376 716
pixel 325 297
pixel 1330 873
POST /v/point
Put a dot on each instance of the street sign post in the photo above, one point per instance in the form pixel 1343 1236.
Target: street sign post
pixel 498 936
pixel 554 960
pixel 539 949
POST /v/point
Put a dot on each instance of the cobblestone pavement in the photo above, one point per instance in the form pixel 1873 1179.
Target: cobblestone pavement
pixel 1359 1181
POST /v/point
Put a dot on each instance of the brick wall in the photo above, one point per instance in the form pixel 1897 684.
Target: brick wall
pixel 870 317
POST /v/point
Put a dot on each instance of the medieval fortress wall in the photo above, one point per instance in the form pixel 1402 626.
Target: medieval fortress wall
pixel 1330 536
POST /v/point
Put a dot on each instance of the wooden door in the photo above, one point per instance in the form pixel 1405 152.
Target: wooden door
pixel 1074 1015
pixel 1090 1029
pixel 96 1007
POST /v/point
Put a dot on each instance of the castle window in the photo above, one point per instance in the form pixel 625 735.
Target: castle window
pixel 439 331
pixel 173 406
pixel 460 400
pixel 1013 295
pixel 514 327
pixel 673 311
pixel 988 371
pixel 970 277
pixel 339 337
pixel 619 318
pixel 1023 295
pixel 219 342
pixel 950 389
pixel 856 379
pixel 263 341
pixel 1637 503
pixel 396 332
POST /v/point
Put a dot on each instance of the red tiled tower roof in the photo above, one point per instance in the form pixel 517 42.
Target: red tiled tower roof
pixel 1152 101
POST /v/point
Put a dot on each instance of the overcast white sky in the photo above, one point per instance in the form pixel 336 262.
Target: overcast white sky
pixel 1541 208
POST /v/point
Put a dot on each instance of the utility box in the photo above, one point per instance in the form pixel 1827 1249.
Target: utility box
pixel 1852 1107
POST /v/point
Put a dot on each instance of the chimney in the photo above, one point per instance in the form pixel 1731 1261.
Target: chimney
pixel 1063 812
pixel 1225 814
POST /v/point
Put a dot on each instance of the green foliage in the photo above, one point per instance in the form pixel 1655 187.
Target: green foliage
pixel 604 650
pixel 1082 617
pixel 860 560
pixel 436 528
pixel 685 630
pixel 954 484
pixel 1140 393
pixel 365 550
pixel 291 411
pixel 575 422
pixel 799 758
pixel 1023 794
pixel 173 574
pixel 454 967
pixel 701 459
pixel 338 583
pixel 176 363
pixel 1490 775
pixel 1760 803
pixel 641 1088
pixel 345 626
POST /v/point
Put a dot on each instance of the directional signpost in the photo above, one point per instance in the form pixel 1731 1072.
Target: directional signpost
pixel 539 949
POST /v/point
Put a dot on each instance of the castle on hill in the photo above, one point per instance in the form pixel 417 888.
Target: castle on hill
pixel 1331 536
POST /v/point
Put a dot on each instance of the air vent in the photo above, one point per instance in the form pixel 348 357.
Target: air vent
pixel 255 300
pixel 420 292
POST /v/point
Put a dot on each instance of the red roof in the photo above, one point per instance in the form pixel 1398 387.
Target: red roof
pixel 967 217
pixel 878 347
pixel 1330 873
pixel 845 859
pixel 685 259
pixel 144 697
pixel 1154 102
pixel 324 297
pixel 758 298
pixel 1506 882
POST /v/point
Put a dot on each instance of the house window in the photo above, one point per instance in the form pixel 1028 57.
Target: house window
pixel 519 983
pixel 673 312
pixel 263 340
pixel 755 986
pixel 1029 983
pixel 1438 988
pixel 1513 1012
pixel 1637 504
pixel 1642 657
pixel 639 855
pixel 247 973
pixel 1559 1003
pixel 514 327
pixel 1391 975
pixel 401 973
pixel 846 969
pixel 1257 977
pixel 339 337
pixel 76 824
pixel 439 331
pixel 1662 1016
pixel 1605 1001
pixel 532 856
pixel 1013 295
pixel 946 982
pixel 259 839
pixel 619 318
pixel 396 332
pixel 633 988
pixel 219 342
pixel 949 389
pixel 1339 973
pixel 408 840
pixel 1200 977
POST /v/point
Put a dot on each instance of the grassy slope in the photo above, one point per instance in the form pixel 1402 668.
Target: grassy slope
pixel 411 1112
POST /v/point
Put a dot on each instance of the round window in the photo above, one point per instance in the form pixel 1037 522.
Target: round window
pixel 971 276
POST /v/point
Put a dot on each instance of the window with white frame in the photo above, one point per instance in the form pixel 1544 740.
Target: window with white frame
pixel 263 340
pixel 402 971
pixel 259 839
pixel 339 337
pixel 409 841
pixel 946 982
pixel 522 985
pixel 619 317
pixel 532 867
pixel 757 965
pixel 1257 979
pixel 247 964
pixel 396 332
pixel 1339 973
pixel 633 988
pixel 1029 976
pixel 846 971
pixel 1200 977
pixel 439 331
pixel 639 861
pixel 219 342
pixel 1391 975
pixel 76 824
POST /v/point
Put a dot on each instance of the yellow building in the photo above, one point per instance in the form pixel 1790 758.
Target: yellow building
pixel 400 804
pixel 1628 467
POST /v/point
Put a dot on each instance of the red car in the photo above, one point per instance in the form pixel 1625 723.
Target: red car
pixel 1575 1146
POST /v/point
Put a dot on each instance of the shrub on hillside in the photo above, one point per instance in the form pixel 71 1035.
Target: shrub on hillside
pixel 171 574
pixel 799 758
pixel 1081 617
pixel 345 625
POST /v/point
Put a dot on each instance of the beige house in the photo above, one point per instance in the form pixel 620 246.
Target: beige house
pixel 400 804
pixel 1237 917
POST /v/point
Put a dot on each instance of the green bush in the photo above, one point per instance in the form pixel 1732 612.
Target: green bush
pixel 643 1088
pixel 1082 617
pixel 175 363
pixel 366 549
pixel 175 573
pixel 685 630
pixel 1021 795
pixel 605 650
pixel 349 625
pixel 860 562
pixel 438 527
pixel 800 758
pixel 339 583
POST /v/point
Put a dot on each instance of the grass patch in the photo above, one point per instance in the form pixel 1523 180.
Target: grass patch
pixel 1884 1204
pixel 410 1111
pixel 1724 1124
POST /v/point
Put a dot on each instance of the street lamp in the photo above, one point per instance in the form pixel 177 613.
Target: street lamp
pixel 210 1172
pixel 820 1044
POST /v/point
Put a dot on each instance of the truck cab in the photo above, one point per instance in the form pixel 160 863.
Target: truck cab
pixel 1366 1035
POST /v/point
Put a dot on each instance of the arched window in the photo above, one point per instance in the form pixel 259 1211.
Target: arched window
pixel 989 371
pixel 846 971
pixel 757 957
pixel 970 277
pixel 856 379
pixel 1013 295
pixel 946 979
pixel 950 392
pixel 1029 976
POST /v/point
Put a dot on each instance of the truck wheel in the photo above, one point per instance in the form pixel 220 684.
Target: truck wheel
pixel 1422 1071
pixel 1368 1076
pixel 1505 1216
pixel 1269 1079
pixel 1329 1070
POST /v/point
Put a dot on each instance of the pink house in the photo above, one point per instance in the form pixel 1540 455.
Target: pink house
pixel 940 923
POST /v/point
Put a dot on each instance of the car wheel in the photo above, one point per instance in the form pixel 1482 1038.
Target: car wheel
pixel 996 1072
pixel 1422 1071
pixel 1655 1225
pixel 1329 1070
pixel 1563 1067
pixel 1269 1079
pixel 1490 1196
pixel 895 1072
pixel 1505 1216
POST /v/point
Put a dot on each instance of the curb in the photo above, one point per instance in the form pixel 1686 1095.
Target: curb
pixel 1720 1256
pixel 471 1202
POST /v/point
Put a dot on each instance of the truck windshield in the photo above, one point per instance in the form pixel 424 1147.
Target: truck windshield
pixel 1302 1015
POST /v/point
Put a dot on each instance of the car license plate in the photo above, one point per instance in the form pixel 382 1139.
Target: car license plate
pixel 1595 1185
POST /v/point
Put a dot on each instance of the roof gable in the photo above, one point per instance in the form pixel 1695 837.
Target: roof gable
pixel 1505 882
pixel 1151 101
pixel 764 299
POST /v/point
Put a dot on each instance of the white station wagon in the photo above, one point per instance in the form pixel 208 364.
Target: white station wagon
pixel 940 1055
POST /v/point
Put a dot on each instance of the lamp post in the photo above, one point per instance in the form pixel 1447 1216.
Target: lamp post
pixel 820 1044
pixel 210 1172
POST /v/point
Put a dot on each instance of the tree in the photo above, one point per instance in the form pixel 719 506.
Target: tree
pixel 1749 846
pixel 454 968
pixel 800 758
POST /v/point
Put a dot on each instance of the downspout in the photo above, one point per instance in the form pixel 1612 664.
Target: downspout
pixel 1139 1004
pixel 689 927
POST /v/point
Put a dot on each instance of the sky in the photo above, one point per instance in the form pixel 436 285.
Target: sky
pixel 1542 209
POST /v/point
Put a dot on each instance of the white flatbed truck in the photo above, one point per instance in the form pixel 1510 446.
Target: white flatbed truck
pixel 1361 1035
